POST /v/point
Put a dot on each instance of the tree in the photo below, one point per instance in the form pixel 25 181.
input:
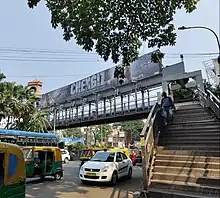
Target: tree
pixel 73 132
pixel 18 105
pixel 101 132
pixel 132 129
pixel 115 28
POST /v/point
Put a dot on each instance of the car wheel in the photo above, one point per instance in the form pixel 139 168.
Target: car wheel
pixel 130 173
pixel 66 160
pixel 58 176
pixel 114 179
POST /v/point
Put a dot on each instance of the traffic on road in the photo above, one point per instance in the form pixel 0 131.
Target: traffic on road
pixel 71 186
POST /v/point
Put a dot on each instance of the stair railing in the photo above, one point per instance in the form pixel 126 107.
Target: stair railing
pixel 149 138
pixel 209 100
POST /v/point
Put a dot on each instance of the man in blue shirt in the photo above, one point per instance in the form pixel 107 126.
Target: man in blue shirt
pixel 167 105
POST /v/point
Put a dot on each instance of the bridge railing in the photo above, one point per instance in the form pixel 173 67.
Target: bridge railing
pixel 209 100
pixel 149 139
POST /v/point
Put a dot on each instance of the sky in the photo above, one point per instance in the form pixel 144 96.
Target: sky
pixel 21 27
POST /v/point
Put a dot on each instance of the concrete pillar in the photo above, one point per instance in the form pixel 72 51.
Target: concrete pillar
pixel 199 82
pixel 165 86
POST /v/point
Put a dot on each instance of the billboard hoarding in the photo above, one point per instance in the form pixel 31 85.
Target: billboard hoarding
pixel 140 69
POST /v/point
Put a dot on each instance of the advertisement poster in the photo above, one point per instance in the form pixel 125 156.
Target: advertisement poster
pixel 140 69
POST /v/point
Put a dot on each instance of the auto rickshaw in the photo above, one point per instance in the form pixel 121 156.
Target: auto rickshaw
pixel 123 150
pixel 139 158
pixel 87 154
pixel 12 171
pixel 43 161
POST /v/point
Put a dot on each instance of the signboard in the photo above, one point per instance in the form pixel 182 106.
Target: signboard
pixel 140 69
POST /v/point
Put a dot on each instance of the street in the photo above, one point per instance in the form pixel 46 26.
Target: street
pixel 70 186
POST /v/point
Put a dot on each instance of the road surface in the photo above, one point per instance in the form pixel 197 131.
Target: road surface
pixel 71 187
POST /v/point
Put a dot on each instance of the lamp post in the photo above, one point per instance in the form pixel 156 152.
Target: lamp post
pixel 206 28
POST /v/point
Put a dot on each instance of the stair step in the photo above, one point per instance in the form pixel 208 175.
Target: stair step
pixel 188 158
pixel 192 114
pixel 186 178
pixel 196 190
pixel 158 193
pixel 193 123
pixel 186 118
pixel 189 137
pixel 174 150
pixel 189 110
pixel 198 172
pixel 190 141
pixel 182 107
pixel 193 128
pixel 186 134
pixel 203 147
pixel 175 163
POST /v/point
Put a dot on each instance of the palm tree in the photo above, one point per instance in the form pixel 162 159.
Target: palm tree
pixel 18 105
pixel 38 121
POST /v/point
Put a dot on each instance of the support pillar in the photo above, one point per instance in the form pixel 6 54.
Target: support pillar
pixel 142 95
pixel 104 103
pixel 114 105
pixel 136 102
pixel 77 111
pixel 122 104
pixel 89 110
pixel 128 102
pixel 148 99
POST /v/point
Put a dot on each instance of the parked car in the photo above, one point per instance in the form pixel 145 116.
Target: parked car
pixel 106 166
pixel 65 155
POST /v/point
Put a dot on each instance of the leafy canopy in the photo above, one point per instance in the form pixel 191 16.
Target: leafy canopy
pixel 73 133
pixel 115 28
pixel 132 128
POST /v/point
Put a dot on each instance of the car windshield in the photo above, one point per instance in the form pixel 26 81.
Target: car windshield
pixel 103 157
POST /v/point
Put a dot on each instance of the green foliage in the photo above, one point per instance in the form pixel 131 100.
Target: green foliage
pixel 18 105
pixel 101 132
pixel 78 146
pixel 73 133
pixel 132 128
pixel 115 28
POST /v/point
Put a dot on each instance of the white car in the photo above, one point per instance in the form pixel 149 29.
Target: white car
pixel 106 166
pixel 65 156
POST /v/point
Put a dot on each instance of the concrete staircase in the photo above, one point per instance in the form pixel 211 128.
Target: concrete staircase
pixel 187 162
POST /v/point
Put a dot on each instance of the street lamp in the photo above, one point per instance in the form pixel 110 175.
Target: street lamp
pixel 206 28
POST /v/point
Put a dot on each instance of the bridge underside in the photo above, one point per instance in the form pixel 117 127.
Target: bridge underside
pixel 120 117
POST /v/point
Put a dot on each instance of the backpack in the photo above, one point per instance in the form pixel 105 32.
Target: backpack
pixel 167 102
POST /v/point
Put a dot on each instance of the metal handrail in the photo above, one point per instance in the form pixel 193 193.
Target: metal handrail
pixel 209 100
pixel 147 123
pixel 148 143
pixel 214 96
